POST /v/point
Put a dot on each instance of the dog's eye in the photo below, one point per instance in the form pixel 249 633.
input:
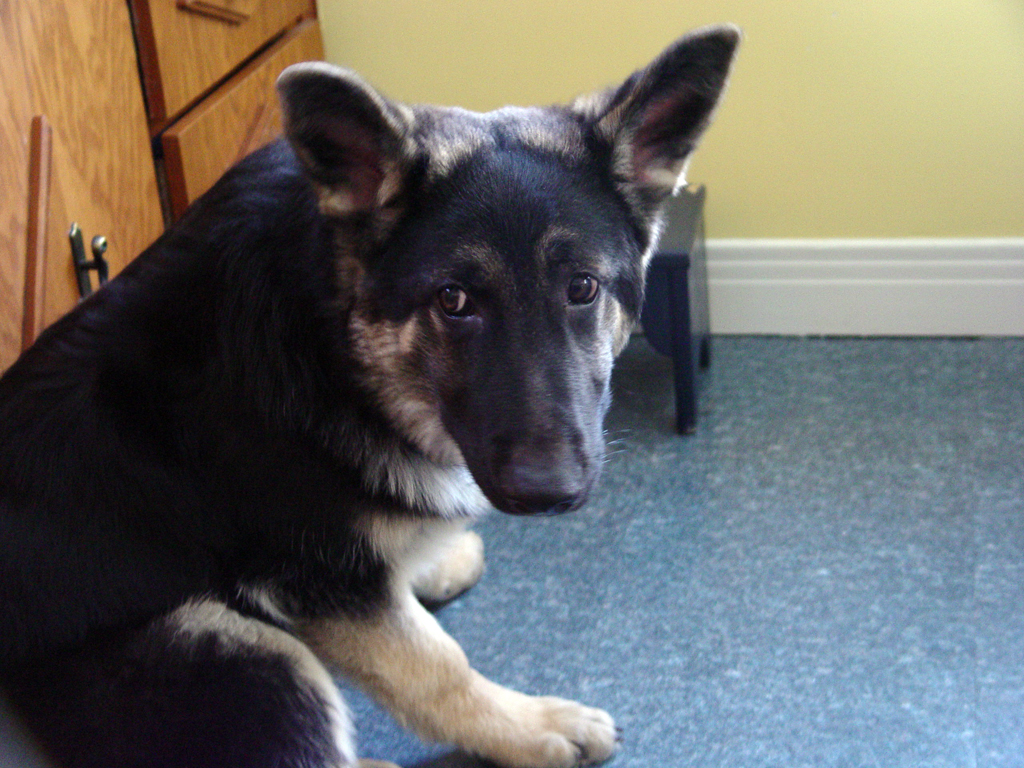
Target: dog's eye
pixel 455 302
pixel 583 289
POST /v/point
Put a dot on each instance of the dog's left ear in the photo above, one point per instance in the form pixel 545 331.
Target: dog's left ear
pixel 654 119
pixel 354 143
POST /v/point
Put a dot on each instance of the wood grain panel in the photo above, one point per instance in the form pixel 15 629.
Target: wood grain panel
pixel 240 117
pixel 74 63
pixel 184 54
pixel 231 11
pixel 15 118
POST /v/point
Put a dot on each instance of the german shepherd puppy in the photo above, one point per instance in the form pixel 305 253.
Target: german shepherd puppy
pixel 238 465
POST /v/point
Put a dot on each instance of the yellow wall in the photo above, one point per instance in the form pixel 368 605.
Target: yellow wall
pixel 845 118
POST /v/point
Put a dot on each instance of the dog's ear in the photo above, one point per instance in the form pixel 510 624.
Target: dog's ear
pixel 654 119
pixel 354 143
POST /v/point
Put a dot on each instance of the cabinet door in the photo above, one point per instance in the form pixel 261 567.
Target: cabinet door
pixel 71 67
pixel 240 117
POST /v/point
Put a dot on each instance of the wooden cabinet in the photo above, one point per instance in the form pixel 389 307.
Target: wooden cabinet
pixel 78 127
pixel 239 117
pixel 187 46
pixel 74 147
pixel 206 110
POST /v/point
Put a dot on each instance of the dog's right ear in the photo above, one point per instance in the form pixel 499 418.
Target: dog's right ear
pixel 354 143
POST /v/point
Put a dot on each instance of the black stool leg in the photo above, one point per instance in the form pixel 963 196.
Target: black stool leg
pixel 705 352
pixel 684 370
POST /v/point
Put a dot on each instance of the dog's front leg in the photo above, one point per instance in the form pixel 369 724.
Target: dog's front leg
pixel 411 666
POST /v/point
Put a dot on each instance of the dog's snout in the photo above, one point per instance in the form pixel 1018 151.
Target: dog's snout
pixel 535 483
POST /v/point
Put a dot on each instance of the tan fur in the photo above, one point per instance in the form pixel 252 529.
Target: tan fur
pixel 623 328
pixel 413 546
pixel 384 348
pixel 337 202
pixel 437 478
pixel 460 567
pixel 544 129
pixel 448 135
pixel 407 663
pixel 456 134
pixel 439 558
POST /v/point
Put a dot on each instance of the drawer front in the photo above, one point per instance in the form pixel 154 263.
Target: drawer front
pixel 187 46
pixel 240 117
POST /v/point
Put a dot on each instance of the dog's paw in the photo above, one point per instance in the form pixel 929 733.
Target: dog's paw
pixel 577 735
pixel 459 568
pixel 560 734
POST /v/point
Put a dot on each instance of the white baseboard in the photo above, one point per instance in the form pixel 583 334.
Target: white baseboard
pixel 940 287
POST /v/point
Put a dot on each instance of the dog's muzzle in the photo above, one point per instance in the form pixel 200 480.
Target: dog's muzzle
pixel 536 483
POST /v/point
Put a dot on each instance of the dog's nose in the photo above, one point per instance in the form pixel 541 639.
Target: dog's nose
pixel 541 504
pixel 540 485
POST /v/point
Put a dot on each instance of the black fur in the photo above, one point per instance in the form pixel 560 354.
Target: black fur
pixel 150 699
pixel 182 431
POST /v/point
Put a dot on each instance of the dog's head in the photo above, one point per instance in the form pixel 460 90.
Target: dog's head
pixel 492 265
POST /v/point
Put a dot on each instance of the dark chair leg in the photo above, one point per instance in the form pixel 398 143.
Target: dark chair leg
pixel 705 352
pixel 684 370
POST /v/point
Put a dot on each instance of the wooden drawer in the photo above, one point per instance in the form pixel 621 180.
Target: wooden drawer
pixel 240 117
pixel 187 46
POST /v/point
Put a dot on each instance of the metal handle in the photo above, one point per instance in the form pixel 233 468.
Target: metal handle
pixel 83 265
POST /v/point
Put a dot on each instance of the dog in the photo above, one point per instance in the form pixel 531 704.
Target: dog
pixel 243 465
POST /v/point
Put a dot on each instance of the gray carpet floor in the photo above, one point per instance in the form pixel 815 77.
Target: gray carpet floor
pixel 830 572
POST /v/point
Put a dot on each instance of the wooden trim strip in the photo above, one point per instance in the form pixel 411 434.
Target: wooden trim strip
pixel 149 63
pixel 40 155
